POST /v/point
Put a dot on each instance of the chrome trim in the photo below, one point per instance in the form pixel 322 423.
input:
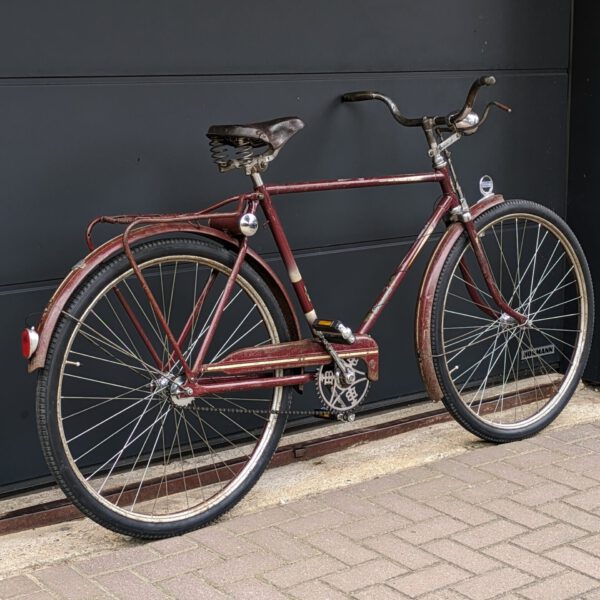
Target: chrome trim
pixel 288 361
pixel 248 224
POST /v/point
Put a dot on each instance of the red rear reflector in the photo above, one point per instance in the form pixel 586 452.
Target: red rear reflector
pixel 29 342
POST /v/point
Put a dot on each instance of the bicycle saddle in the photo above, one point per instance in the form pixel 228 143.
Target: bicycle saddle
pixel 274 133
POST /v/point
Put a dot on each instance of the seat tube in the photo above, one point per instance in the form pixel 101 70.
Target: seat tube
pixel 285 250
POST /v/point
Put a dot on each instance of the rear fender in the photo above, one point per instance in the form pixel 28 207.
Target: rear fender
pixel 428 286
pixel 110 248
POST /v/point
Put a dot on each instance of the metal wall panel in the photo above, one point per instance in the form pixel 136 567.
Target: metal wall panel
pixel 584 207
pixel 138 37
pixel 104 107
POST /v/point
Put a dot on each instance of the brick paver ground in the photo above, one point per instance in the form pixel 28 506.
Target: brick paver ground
pixel 515 521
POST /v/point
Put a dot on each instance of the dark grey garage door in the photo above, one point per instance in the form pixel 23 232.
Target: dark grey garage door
pixel 104 106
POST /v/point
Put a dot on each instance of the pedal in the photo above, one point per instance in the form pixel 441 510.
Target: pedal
pixel 346 417
pixel 324 414
pixel 334 331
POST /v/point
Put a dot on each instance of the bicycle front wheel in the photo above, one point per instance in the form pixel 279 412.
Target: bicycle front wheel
pixel 124 446
pixel 501 380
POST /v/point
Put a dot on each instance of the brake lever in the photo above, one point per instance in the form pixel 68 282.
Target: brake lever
pixel 486 111
pixel 501 106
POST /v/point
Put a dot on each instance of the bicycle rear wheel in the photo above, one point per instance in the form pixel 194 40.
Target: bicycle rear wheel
pixel 125 448
pixel 501 380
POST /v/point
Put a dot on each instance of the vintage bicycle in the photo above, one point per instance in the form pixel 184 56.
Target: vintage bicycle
pixel 167 357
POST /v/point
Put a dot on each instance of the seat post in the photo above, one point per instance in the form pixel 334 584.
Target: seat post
pixel 257 180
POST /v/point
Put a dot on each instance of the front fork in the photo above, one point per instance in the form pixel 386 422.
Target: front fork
pixel 461 210
pixel 488 276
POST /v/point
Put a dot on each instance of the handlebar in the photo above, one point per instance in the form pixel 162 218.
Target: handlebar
pixel 358 96
pixel 448 122
pixel 361 96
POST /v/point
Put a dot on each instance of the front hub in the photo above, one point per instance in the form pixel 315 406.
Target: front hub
pixel 507 321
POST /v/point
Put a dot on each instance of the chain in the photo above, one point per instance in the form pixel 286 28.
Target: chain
pixel 315 412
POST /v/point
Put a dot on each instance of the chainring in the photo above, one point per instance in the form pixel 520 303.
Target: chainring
pixel 336 395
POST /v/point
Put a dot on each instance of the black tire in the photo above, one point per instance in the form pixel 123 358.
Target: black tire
pixel 500 380
pixel 77 438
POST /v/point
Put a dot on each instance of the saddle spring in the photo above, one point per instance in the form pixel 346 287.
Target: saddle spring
pixel 229 157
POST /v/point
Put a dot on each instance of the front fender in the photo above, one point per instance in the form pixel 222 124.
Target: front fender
pixel 107 250
pixel 425 302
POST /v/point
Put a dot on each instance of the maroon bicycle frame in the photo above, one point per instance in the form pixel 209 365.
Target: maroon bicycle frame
pixel 198 381
pixel 444 205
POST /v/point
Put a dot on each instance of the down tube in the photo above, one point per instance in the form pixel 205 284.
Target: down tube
pixel 396 279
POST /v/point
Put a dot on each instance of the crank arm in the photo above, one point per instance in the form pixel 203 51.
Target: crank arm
pixel 336 358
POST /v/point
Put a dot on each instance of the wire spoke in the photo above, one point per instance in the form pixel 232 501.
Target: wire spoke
pixel 127 445
pixel 221 350
pixel 98 339
pixel 472 342
pixel 461 314
pixel 107 419
pixel 162 338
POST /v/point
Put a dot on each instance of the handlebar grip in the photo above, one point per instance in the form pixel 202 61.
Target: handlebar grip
pixel 487 80
pixel 358 96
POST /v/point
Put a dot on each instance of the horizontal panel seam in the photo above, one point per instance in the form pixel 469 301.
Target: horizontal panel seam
pixel 315 75
pixel 270 257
